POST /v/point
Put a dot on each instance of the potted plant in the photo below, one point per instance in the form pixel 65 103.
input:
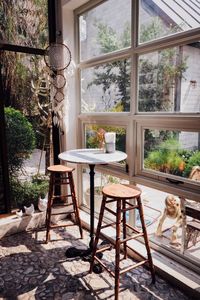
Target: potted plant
pixel 104 180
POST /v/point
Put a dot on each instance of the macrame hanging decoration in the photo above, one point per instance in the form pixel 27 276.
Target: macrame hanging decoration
pixel 57 58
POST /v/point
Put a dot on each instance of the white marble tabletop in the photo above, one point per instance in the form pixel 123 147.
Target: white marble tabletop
pixel 91 156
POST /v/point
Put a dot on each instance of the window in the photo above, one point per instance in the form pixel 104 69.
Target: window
pixel 168 80
pixel 171 152
pixel 93 136
pixel 149 85
pixel 168 232
pixel 159 108
pixel 98 34
pixel 163 18
pixel 106 88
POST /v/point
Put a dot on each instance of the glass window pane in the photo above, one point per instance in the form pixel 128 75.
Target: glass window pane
pixel 168 80
pixel 105 28
pixel 152 209
pixel 94 136
pixel 101 180
pixel 106 88
pixel 173 152
pixel 168 231
pixel 159 18
pixel 191 241
pixel 24 23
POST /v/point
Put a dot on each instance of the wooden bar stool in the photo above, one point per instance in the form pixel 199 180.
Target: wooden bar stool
pixel 61 175
pixel 121 194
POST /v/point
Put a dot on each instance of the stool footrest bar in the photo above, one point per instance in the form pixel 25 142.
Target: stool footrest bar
pixel 61 205
pixel 104 266
pixel 133 228
pixel 107 225
pixel 110 211
pixel 110 247
pixel 61 225
pixel 133 266
pixel 129 208
pixel 63 213
pixel 132 237
pixel 60 197
pixel 59 183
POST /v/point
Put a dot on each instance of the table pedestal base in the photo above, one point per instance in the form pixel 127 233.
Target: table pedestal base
pixel 85 254
pixel 82 253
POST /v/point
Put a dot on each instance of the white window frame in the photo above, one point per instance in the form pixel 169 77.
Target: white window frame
pixel 134 120
pixel 185 188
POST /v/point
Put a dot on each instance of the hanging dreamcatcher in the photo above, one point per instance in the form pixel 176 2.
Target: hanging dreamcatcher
pixel 57 58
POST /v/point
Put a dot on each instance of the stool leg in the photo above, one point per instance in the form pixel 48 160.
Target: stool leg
pixel 75 203
pixel 140 208
pixel 49 205
pixel 124 228
pixel 97 233
pixel 117 251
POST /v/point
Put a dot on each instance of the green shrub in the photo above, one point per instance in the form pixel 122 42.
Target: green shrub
pixel 166 159
pixel 25 193
pixel 20 138
pixel 169 158
pixel 186 154
pixel 194 160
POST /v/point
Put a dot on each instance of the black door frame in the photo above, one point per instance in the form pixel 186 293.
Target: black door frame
pixel 3 152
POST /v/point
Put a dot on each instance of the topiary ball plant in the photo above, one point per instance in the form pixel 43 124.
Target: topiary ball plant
pixel 20 138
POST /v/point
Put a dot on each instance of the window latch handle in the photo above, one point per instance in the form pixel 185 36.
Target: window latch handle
pixel 174 181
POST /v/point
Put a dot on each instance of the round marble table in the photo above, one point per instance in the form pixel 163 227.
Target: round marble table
pixel 91 157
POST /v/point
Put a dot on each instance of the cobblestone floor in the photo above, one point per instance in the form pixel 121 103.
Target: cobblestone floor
pixel 30 269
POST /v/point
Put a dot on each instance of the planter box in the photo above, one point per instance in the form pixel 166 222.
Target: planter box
pixel 13 224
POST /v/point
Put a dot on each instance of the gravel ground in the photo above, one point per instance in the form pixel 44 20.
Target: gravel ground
pixel 30 269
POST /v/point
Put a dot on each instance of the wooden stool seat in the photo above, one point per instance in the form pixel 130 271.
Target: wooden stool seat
pixel 59 169
pixel 121 191
pixel 59 176
pixel 120 194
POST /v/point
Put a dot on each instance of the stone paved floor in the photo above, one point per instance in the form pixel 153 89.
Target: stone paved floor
pixel 30 269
